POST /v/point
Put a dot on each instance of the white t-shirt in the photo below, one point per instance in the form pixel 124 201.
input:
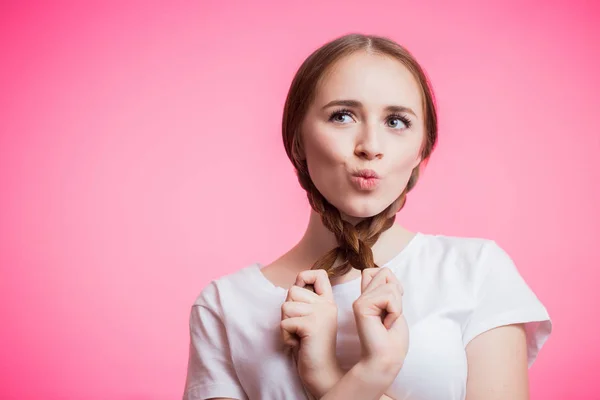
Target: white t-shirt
pixel 454 289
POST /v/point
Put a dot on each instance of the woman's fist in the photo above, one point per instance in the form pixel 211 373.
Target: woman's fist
pixel 309 326
pixel 382 329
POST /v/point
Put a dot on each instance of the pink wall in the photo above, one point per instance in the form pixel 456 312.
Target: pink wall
pixel 140 156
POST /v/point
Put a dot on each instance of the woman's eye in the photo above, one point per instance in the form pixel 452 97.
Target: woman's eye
pixel 342 118
pixel 398 123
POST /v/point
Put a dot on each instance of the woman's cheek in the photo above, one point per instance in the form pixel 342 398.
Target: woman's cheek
pixel 327 150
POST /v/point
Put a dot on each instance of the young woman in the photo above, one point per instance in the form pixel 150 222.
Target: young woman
pixel 360 307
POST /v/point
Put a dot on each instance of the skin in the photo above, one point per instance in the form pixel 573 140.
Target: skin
pixel 349 126
pixel 312 317
pixel 369 137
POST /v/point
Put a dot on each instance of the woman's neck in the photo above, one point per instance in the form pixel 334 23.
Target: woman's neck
pixel 318 240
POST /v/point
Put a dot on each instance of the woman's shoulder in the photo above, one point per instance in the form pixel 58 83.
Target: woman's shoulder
pixel 466 248
pixel 238 299
pixel 456 241
pixel 466 258
pixel 219 290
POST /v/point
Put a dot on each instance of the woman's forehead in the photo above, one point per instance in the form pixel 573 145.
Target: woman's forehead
pixel 372 79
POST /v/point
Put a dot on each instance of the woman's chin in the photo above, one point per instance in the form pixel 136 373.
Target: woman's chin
pixel 355 212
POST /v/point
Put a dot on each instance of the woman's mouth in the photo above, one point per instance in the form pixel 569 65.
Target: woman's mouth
pixel 365 179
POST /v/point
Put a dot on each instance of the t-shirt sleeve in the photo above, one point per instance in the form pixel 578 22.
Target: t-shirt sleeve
pixel 502 297
pixel 210 371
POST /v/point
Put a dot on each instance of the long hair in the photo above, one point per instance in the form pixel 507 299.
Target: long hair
pixel 354 242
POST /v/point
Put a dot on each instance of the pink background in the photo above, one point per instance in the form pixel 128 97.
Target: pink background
pixel 140 157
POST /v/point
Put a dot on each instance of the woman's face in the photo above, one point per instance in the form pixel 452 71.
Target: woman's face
pixel 367 115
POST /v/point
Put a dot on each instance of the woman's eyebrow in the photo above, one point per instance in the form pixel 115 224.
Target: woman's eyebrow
pixel 358 104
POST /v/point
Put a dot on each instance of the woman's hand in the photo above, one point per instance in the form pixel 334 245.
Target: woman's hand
pixel 382 328
pixel 309 326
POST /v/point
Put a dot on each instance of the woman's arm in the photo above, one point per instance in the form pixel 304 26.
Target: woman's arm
pixel 497 362
pixel 362 381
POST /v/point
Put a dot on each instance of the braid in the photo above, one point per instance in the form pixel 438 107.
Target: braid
pixel 354 242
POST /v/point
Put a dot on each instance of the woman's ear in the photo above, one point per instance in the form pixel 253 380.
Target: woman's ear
pixel 298 149
pixel 417 161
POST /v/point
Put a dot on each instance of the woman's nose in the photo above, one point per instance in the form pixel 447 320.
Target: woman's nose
pixel 368 144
